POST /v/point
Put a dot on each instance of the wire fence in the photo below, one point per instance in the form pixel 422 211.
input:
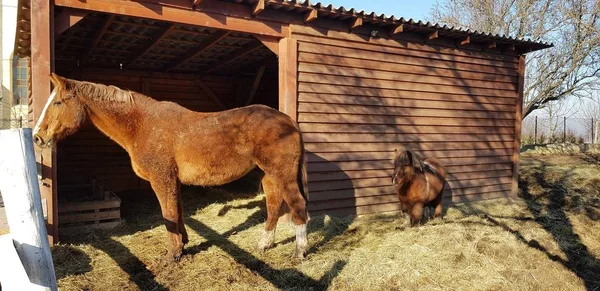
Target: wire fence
pixel 543 130
pixel 6 123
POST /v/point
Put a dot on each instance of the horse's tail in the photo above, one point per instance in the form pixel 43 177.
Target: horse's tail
pixel 302 174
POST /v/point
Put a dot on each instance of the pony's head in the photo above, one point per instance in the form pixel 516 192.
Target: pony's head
pixel 406 165
pixel 62 116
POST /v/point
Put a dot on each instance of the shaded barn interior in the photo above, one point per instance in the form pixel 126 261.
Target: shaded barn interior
pixel 199 68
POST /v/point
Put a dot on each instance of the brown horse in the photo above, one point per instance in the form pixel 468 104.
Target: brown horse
pixel 419 183
pixel 170 145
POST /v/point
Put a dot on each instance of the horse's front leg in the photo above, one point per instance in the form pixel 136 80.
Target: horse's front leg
pixel 167 189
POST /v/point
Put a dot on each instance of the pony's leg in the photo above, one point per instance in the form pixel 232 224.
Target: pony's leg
pixel 274 204
pixel 415 214
pixel 180 223
pixel 438 207
pixel 168 192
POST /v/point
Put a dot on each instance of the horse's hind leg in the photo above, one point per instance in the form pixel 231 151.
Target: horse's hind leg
pixel 274 204
pixel 438 206
pixel 180 223
pixel 167 191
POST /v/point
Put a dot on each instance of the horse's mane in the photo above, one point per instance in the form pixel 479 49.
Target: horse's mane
pixel 100 92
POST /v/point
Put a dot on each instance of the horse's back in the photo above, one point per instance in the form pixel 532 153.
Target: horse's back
pixel 436 165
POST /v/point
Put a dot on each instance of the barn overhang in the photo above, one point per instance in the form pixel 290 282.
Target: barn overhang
pixel 272 18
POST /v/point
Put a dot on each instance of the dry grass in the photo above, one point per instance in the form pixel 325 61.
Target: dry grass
pixel 550 240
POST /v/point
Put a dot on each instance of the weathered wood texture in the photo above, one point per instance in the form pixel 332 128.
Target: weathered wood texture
pixel 359 99
pixel 21 194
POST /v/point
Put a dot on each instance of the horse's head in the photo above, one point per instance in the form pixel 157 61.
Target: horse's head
pixel 62 116
pixel 406 164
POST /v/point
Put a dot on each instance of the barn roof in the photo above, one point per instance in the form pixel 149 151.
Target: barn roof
pixel 341 13
pixel 310 10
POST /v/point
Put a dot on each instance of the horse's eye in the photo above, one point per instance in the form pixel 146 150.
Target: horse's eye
pixel 57 103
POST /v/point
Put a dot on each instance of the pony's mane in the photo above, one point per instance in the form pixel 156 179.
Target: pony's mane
pixel 100 92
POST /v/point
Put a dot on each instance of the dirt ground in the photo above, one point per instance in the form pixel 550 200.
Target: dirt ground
pixel 549 239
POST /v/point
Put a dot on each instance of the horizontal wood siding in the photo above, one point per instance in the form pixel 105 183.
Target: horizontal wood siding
pixel 89 152
pixel 359 99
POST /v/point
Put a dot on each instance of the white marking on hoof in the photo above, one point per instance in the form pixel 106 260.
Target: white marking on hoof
pixel 301 241
pixel 266 240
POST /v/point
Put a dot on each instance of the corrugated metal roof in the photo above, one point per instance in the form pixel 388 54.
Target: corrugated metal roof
pixel 342 13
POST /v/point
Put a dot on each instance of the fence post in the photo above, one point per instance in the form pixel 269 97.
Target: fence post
pixel 564 129
pixel 592 131
pixel 21 194
pixel 535 132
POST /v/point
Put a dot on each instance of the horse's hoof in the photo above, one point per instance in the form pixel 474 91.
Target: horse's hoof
pixel 300 254
pixel 171 257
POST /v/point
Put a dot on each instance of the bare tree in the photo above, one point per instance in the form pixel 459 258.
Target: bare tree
pixel 570 68
pixel 590 110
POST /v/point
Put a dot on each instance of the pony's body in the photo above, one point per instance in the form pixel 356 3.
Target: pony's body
pixel 170 145
pixel 419 183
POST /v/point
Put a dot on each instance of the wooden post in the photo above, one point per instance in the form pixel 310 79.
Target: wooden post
pixel 288 88
pixel 21 193
pixel 288 77
pixel 518 123
pixel 535 132
pixel 564 129
pixel 42 36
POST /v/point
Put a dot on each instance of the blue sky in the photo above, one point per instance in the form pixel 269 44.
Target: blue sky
pixel 418 10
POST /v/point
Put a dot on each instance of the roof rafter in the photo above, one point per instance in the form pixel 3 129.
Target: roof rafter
pixel 97 37
pixel 151 44
pixel 239 53
pixel 195 51
pixel 258 7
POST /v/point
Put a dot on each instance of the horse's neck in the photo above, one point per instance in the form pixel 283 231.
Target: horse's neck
pixel 117 120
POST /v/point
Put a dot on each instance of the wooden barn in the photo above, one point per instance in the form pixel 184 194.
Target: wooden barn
pixel 360 85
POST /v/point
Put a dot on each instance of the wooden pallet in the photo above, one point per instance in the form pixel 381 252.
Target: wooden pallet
pixel 101 210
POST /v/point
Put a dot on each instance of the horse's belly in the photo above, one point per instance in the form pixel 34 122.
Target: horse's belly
pixel 212 175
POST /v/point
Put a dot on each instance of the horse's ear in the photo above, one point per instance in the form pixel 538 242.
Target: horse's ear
pixel 416 161
pixel 57 80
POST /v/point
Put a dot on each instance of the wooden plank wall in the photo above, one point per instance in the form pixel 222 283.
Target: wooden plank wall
pixel 360 99
pixel 89 152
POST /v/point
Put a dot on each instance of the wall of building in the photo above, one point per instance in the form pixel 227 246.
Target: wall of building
pixel 7 38
pixel 360 99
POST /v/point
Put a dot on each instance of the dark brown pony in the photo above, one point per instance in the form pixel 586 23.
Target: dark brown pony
pixel 170 145
pixel 419 183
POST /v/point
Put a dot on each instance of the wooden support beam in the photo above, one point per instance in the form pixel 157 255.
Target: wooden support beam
pixel 433 35
pixel 211 94
pixel 258 7
pixel 518 124
pixel 257 79
pixel 492 45
pixel 272 43
pixel 465 41
pixel 397 30
pixel 156 38
pixel 311 15
pixel 97 38
pixel 66 19
pixel 288 77
pixel 356 23
pixel 225 16
pixel 195 51
pixel 241 52
pixel 41 59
